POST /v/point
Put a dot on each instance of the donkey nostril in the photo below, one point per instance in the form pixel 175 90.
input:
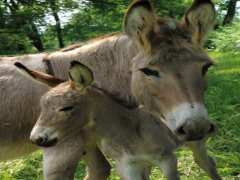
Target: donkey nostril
pixel 181 131
pixel 41 141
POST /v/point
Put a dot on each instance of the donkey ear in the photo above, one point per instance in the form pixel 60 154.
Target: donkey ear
pixel 200 20
pixel 80 75
pixel 139 22
pixel 38 76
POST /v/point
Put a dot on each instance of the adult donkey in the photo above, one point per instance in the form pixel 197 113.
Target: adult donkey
pixel 158 63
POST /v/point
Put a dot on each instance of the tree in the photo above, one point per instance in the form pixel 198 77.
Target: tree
pixel 231 11
pixel 21 16
pixel 97 17
pixel 54 10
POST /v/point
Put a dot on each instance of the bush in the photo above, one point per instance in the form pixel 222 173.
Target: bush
pixel 226 38
pixel 14 44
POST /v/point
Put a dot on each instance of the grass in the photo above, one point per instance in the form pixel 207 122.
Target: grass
pixel 223 101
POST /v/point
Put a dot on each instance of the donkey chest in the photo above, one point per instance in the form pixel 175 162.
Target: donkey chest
pixel 132 151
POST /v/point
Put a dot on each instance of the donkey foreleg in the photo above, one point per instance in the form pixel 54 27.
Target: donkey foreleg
pixel 168 165
pixel 146 172
pixel 130 171
pixel 98 167
pixel 203 160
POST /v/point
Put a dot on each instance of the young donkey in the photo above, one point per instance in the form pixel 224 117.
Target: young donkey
pixel 134 138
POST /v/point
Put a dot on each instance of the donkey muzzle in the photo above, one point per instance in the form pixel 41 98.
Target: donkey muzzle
pixel 44 141
pixel 44 136
pixel 188 132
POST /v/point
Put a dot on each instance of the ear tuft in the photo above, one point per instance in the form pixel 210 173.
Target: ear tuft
pixel 139 22
pixel 200 20
pixel 80 75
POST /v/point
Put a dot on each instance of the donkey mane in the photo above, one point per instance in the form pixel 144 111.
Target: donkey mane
pixel 122 102
pixel 79 45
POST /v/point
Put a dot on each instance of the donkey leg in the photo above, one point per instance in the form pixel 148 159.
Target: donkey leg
pixel 168 165
pixel 146 172
pixel 60 161
pixel 98 167
pixel 130 171
pixel 203 160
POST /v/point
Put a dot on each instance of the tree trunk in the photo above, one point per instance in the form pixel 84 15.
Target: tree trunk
pixel 59 30
pixel 32 32
pixel 53 7
pixel 231 11
pixel 35 37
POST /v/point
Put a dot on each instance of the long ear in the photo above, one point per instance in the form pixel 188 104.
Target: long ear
pixel 80 75
pixel 200 20
pixel 139 23
pixel 38 76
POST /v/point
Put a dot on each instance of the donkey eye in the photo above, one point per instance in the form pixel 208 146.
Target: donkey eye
pixel 69 108
pixel 205 68
pixel 150 72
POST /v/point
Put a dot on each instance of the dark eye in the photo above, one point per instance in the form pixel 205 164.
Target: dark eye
pixel 69 108
pixel 205 68
pixel 150 72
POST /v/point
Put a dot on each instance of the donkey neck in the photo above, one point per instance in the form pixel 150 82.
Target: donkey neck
pixel 106 111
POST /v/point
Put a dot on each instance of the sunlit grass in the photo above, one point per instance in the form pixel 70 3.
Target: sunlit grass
pixel 223 102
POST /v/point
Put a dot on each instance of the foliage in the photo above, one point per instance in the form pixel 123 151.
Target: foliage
pixel 12 44
pixel 25 26
pixel 22 169
pixel 91 22
pixel 97 18
pixel 90 18
pixel 227 38
pixel 29 19
pixel 20 18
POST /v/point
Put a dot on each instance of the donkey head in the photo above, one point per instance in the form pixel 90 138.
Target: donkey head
pixel 169 73
pixel 65 107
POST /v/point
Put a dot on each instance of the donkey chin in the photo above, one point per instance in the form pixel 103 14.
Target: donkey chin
pixel 189 122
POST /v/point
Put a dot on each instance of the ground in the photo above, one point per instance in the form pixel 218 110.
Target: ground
pixel 223 101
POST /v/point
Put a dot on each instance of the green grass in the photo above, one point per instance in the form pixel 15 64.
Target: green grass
pixel 223 101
